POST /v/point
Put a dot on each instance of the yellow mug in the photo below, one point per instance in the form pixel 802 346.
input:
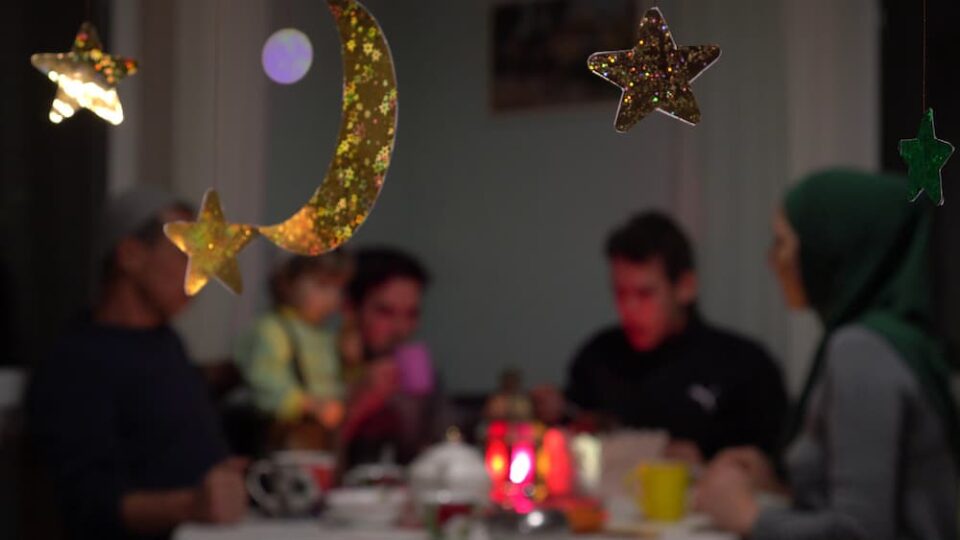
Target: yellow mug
pixel 661 489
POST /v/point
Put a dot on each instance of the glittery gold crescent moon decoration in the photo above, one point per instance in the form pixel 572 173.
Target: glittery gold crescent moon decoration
pixel 353 181
pixel 367 131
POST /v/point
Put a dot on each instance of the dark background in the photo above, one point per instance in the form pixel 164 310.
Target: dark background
pixel 901 110
pixel 52 180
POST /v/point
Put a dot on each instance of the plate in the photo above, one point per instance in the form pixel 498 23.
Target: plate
pixel 365 507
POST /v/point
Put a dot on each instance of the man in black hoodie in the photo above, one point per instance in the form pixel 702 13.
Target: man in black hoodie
pixel 663 366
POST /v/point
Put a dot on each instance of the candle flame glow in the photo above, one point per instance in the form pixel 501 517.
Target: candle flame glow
pixel 521 466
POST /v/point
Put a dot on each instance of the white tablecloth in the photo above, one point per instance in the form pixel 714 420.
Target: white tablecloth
pixel 260 529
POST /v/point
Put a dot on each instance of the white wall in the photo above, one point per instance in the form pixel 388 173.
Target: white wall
pixel 510 211
pixel 231 95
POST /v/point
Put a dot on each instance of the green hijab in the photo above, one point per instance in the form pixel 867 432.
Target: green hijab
pixel 865 259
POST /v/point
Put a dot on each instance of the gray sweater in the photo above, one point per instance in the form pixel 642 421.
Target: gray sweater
pixel 872 461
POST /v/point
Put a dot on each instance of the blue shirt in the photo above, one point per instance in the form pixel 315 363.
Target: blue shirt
pixel 116 410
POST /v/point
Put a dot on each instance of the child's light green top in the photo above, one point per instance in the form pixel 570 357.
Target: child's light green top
pixel 265 356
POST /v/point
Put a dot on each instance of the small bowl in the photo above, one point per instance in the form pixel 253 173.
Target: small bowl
pixel 366 506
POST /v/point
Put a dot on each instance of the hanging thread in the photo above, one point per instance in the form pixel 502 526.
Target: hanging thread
pixel 923 61
pixel 216 96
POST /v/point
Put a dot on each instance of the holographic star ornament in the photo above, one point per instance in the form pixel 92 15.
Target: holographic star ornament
pixel 354 179
pixel 925 156
pixel 655 74
pixel 86 77
pixel 212 244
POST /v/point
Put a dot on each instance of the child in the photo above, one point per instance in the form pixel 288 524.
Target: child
pixel 290 361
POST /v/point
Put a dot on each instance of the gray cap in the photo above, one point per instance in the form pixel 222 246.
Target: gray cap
pixel 125 214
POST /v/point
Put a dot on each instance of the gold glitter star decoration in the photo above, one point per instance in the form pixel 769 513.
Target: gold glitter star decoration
pixel 655 74
pixel 212 244
pixel 925 156
pixel 86 77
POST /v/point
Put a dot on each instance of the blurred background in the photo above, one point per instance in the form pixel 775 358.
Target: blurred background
pixel 504 184
pixel 507 173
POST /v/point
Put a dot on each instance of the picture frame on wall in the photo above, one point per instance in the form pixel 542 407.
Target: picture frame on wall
pixel 540 50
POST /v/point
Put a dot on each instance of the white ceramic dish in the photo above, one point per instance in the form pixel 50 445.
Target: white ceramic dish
pixel 365 506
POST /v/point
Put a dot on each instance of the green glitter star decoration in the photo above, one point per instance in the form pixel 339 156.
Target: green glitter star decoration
pixel 925 156
pixel 655 74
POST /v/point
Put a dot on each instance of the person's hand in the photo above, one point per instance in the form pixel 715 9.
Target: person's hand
pixel 381 385
pixel 383 377
pixel 755 464
pixel 548 403
pixel 329 413
pixel 726 495
pixel 222 496
pixel 685 451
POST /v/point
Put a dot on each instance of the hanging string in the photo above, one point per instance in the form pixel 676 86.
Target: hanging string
pixel 239 302
pixel 288 13
pixel 923 61
pixel 216 96
pixel 97 199
pixel 98 192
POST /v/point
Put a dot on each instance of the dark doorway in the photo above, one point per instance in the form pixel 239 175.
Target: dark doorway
pixel 901 106
pixel 52 180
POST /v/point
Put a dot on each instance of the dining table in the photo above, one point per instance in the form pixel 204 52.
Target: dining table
pixel 260 528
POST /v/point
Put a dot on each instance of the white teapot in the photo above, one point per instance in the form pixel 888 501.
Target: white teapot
pixel 450 472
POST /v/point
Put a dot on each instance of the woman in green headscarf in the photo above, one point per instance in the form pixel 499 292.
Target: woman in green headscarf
pixel 875 442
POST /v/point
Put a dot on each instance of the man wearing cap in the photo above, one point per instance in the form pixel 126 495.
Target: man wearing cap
pixel 120 415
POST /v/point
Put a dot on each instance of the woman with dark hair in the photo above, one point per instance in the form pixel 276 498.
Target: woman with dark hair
pixel 875 446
